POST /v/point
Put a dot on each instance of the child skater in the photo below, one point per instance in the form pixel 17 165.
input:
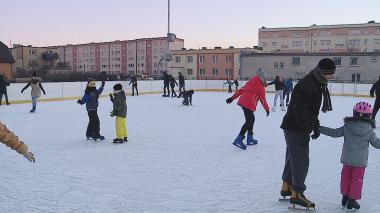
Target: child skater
pixel 187 97
pixel 36 85
pixel 250 94
pixel 120 111
pixel 90 98
pixel 358 133
pixel 10 139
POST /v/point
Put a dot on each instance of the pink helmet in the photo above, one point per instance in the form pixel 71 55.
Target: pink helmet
pixel 363 109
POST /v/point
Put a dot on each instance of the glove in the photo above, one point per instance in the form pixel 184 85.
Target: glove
pixel 44 93
pixel 112 114
pixel 316 133
pixel 29 156
pixel 229 100
pixel 103 82
pixel 22 91
pixel 267 113
pixel 80 102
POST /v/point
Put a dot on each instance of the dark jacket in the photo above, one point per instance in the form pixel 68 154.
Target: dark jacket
pixel 3 85
pixel 303 109
pixel 166 79
pixel 278 84
pixel 375 89
pixel 91 96
pixel 119 104
pixel 173 82
pixel 133 81
pixel 181 80
pixel 288 85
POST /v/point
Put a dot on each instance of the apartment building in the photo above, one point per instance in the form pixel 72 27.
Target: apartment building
pixel 139 56
pixel 6 61
pixel 353 67
pixel 322 38
pixel 30 58
pixel 213 64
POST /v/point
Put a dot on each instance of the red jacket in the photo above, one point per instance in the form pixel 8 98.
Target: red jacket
pixel 251 93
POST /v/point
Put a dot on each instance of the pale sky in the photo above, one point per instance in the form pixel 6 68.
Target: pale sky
pixel 200 22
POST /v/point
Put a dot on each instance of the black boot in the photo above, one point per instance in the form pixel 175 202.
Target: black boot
pixel 125 139
pixel 344 200
pixel 351 203
pixel 300 199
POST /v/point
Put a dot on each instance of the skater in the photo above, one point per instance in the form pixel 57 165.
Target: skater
pixel 134 85
pixel 166 85
pixel 252 92
pixel 187 97
pixel 229 85
pixel 358 133
pixel 236 82
pixel 120 111
pixel 173 82
pixel 375 89
pixel 181 81
pixel 288 89
pixel 299 121
pixel 10 139
pixel 3 89
pixel 36 85
pixel 280 87
pixel 90 98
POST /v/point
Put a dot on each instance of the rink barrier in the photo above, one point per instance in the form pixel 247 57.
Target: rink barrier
pixel 155 92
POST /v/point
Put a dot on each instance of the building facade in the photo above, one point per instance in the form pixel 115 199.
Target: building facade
pixel 322 38
pixel 6 61
pixel 355 67
pixel 140 56
pixel 212 64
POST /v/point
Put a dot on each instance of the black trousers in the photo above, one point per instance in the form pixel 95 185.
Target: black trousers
pixel 166 87
pixel 6 97
pixel 181 87
pixel 249 121
pixel 376 108
pixel 93 127
pixel 296 160
pixel 173 93
pixel 133 90
pixel 229 88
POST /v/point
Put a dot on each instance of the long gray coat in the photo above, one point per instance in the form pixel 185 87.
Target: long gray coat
pixel 358 133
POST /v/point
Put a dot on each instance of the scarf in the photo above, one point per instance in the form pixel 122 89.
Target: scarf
pixel 325 91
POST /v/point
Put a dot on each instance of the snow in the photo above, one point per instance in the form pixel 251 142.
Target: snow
pixel 177 159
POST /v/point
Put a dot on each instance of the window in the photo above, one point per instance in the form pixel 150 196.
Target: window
pixel 274 44
pixel 228 72
pixel 202 71
pixel 214 58
pixel 297 34
pixel 340 46
pixel 325 42
pixel 297 43
pixel 295 61
pixel 228 58
pixel 275 65
pixel 354 61
pixel 32 51
pixel 373 59
pixel 377 41
pixel 325 33
pixel 354 32
pixel 378 31
pixel 190 59
pixel 155 65
pixel 282 65
pixel 284 46
pixel 202 58
pixel 365 41
pixel 307 43
pixel 355 43
pixel 274 35
pixel 265 44
pixel 189 71
pixel 337 61
pixel 177 59
pixel 215 71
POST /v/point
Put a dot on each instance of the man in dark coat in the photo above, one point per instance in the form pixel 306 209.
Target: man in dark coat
pixel 3 89
pixel 134 85
pixel 299 121
pixel 166 85
pixel 376 90
pixel 173 82
pixel 181 81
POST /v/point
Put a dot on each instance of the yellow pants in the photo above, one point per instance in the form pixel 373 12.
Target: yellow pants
pixel 121 128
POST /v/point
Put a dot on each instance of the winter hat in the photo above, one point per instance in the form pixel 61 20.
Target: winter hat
pixel 362 109
pixel 91 83
pixel 117 87
pixel 327 66
pixel 262 75
pixel 34 74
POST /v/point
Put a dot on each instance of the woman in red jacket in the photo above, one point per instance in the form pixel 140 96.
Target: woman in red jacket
pixel 252 92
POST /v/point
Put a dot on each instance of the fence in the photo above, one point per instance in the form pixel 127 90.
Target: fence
pixel 74 89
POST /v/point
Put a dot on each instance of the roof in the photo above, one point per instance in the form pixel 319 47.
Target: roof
pixel 5 54
pixel 255 54
pixel 314 26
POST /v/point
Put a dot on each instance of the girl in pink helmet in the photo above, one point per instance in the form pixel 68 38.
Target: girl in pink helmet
pixel 358 133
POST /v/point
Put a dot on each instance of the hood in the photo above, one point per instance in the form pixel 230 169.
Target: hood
pixel 359 126
pixel 255 81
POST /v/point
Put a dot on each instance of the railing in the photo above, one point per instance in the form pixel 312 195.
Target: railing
pixel 73 89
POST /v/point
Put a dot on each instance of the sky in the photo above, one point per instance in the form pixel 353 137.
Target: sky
pixel 200 23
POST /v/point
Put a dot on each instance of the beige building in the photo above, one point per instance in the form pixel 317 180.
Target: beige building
pixel 322 38
pixel 6 61
pixel 354 67
pixel 30 58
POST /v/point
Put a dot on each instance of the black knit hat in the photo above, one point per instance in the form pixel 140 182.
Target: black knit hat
pixel 327 66
pixel 34 74
pixel 117 87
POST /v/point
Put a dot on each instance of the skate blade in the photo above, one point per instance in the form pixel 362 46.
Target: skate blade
pixel 301 209
pixel 281 199
pixel 239 146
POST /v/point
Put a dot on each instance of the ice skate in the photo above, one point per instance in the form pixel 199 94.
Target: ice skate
pixel 352 204
pixel 283 108
pixel 250 140
pixel 274 109
pixel 344 200
pixel 125 139
pixel 286 191
pixel 33 110
pixel 239 142
pixel 118 140
pixel 298 199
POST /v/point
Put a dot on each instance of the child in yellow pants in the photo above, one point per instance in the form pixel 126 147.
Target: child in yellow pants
pixel 120 111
